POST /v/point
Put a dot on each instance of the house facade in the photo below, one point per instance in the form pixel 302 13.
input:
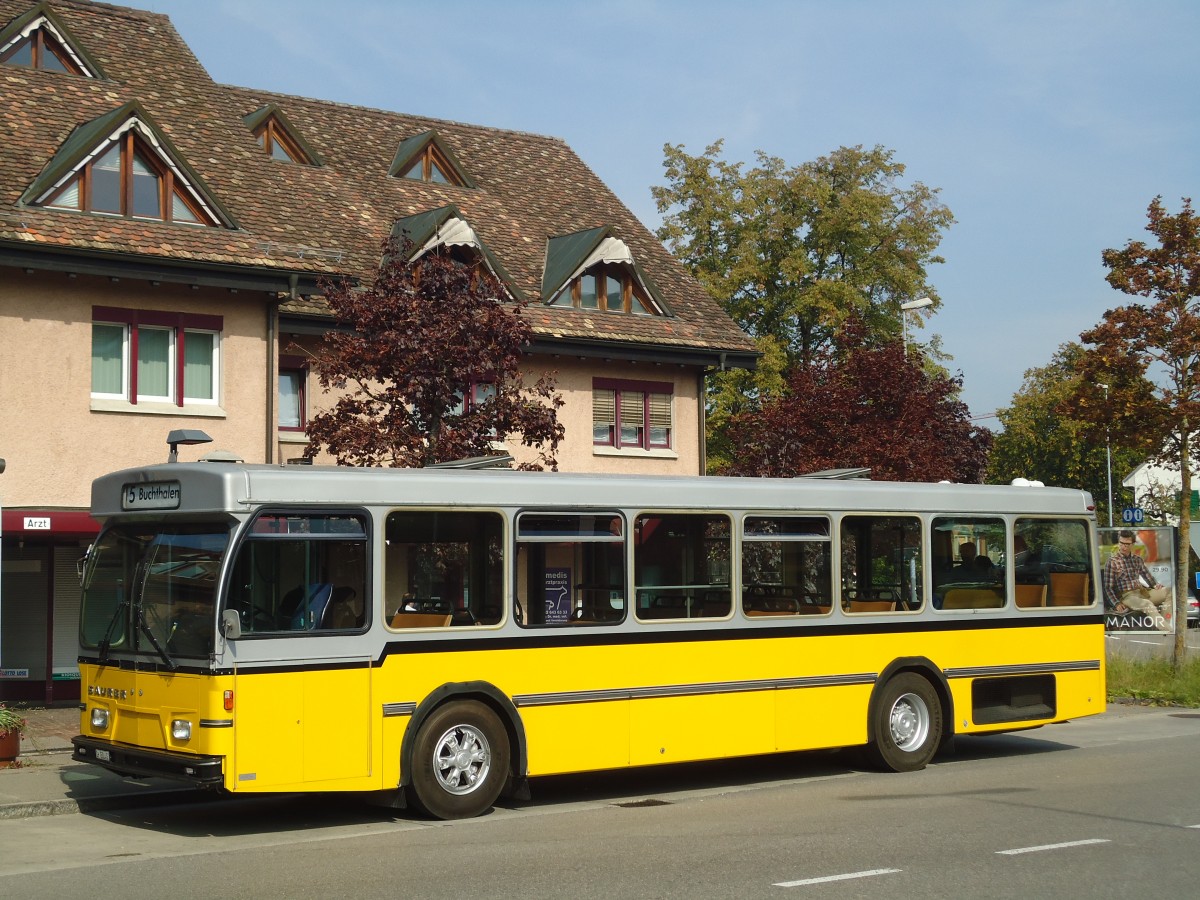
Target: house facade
pixel 162 239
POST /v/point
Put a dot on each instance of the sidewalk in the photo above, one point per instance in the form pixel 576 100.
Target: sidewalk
pixel 48 781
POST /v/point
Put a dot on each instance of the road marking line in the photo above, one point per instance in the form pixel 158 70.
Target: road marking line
pixel 827 878
pixel 1052 846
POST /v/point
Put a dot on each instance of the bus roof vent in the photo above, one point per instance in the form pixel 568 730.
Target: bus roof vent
pixel 497 461
pixel 221 456
pixel 840 474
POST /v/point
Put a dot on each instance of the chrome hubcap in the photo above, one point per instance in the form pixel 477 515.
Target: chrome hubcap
pixel 462 759
pixel 909 722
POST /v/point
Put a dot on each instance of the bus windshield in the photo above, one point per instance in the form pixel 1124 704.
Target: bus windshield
pixel 152 589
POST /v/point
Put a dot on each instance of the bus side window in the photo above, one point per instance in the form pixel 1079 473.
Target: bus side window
pixel 1052 562
pixel 969 562
pixel 302 572
pixel 445 566
pixel 786 566
pixel 882 569
pixel 570 569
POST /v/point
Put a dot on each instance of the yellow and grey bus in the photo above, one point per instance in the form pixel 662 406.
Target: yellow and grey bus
pixel 440 636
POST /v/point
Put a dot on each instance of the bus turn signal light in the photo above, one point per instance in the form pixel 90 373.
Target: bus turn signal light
pixel 229 701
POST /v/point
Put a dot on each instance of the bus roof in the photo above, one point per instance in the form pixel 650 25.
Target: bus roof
pixel 208 488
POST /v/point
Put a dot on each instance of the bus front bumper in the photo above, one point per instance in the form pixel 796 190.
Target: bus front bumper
pixel 200 771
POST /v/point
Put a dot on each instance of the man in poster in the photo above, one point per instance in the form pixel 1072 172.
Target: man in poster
pixel 1128 584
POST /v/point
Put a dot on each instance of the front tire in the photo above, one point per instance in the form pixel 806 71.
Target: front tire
pixel 906 724
pixel 460 760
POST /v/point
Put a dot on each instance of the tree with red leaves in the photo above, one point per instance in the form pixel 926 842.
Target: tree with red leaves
pixel 428 370
pixel 872 406
pixel 1140 374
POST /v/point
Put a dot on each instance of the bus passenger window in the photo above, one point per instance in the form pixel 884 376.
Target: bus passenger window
pixel 881 564
pixel 1052 563
pixel 570 569
pixel 786 567
pixel 968 563
pixel 443 568
pixel 301 572
pixel 682 566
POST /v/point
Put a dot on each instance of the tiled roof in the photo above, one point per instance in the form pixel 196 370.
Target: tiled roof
pixel 324 219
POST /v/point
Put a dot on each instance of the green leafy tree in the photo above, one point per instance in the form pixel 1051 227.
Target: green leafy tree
pixel 423 337
pixel 1149 355
pixel 872 405
pixel 1042 441
pixel 795 252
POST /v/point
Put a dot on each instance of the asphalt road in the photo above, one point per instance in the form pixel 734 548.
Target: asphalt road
pixel 1103 807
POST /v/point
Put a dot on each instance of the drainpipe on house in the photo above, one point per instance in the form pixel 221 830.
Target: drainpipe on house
pixel 272 442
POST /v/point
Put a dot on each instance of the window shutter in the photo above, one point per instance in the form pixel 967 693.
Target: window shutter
pixel 633 410
pixel 604 407
pixel 660 410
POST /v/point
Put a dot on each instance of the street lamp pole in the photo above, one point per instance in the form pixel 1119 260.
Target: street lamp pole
pixel 1108 461
pixel 910 306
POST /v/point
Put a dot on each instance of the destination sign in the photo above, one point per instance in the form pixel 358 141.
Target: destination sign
pixel 152 495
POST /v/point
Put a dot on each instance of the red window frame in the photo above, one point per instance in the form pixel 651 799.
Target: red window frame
pixel 622 390
pixel 179 323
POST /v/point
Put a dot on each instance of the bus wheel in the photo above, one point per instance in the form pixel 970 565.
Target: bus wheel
pixel 907 724
pixel 460 760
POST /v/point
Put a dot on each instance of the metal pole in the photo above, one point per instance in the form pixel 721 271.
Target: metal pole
pixel 1108 452
pixel 1108 460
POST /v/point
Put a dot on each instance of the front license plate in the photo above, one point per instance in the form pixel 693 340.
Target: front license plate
pixel 103 756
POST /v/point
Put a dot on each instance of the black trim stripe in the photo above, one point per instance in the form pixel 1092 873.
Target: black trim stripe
pixel 216 723
pixel 398 709
pixel 689 690
pixel 1083 665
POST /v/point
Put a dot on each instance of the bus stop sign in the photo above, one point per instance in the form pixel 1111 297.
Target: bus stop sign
pixel 1133 515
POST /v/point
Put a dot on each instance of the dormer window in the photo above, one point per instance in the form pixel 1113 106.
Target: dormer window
pixel 38 40
pixel 430 166
pixel 278 138
pixel 594 269
pixel 611 288
pixel 126 178
pixel 424 157
pixel 445 232
pixel 279 144
pixel 120 164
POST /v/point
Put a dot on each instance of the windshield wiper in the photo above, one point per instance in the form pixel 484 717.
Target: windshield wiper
pixel 143 627
pixel 107 640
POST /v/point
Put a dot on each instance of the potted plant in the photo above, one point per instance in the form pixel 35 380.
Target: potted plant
pixel 11 726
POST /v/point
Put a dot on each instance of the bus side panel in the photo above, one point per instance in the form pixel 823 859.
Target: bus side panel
pixel 815 718
pixel 303 730
pixel 269 730
pixel 577 737
pixel 710 726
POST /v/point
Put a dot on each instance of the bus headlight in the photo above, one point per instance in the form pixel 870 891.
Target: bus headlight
pixel 181 730
pixel 99 718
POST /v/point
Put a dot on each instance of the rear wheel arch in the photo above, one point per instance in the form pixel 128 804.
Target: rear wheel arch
pixel 483 692
pixel 909 687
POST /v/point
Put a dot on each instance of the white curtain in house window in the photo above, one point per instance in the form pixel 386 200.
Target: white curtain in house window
pixel 198 365
pixel 108 359
pixel 154 363
pixel 289 399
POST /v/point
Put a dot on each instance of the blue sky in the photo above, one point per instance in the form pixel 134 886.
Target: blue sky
pixel 1047 126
